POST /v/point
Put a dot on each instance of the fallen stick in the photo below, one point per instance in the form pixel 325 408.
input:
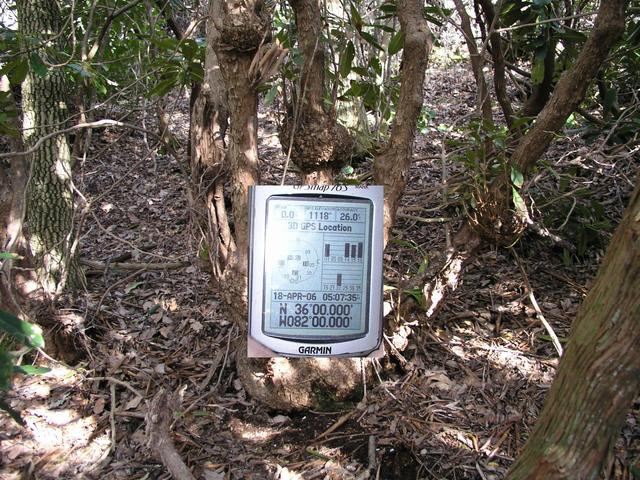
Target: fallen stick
pixel 424 219
pixel 158 419
pixel 338 423
pixel 554 338
pixel 545 233
pixel 133 265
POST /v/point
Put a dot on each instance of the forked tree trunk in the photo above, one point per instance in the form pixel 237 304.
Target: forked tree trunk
pixel 50 203
pixel 599 374
pixel 391 166
pixel 497 222
pixel 289 384
pixel 239 38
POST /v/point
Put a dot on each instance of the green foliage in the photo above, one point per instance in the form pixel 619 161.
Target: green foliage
pixel 8 115
pixel 396 43
pixel 13 65
pixel 537 70
pixel 586 225
pixel 23 333
pixel 576 215
pixel 425 120
pixel 616 92
pixel 178 63
pixel 437 15
pixel 363 42
pixel 37 65
pixel 346 59
pixel 483 153
pixel 474 139
pixel 535 31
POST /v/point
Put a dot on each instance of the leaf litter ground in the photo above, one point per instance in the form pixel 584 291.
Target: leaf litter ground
pixel 457 401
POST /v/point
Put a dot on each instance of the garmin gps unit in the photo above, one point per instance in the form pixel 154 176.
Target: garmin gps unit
pixel 315 270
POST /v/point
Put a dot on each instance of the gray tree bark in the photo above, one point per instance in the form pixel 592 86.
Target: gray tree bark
pixel 50 200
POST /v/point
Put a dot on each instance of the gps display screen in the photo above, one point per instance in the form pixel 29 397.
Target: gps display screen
pixel 317 267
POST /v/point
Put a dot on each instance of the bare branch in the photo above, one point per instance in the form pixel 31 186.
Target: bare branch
pixel 79 126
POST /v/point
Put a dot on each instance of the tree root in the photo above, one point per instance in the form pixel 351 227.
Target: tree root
pixel 158 419
pixel 293 384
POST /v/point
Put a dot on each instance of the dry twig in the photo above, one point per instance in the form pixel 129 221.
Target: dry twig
pixel 536 307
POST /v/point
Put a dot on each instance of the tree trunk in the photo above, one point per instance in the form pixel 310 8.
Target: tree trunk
pixel 477 62
pixel 599 375
pixel 238 33
pixel 209 122
pixel 319 145
pixel 50 203
pixel 13 183
pixel 391 166
pixel 13 178
pixel 499 79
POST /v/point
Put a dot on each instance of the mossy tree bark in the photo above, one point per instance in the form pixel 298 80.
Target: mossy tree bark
pixel 599 375
pixel 50 200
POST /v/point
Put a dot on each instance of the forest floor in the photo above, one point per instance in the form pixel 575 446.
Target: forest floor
pixel 458 403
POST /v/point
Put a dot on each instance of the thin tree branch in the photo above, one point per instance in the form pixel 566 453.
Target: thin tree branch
pixel 542 22
pixel 64 131
pixel 107 24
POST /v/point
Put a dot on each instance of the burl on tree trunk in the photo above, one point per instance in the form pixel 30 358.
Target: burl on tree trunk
pixel 599 375
pixel 319 144
pixel 284 384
